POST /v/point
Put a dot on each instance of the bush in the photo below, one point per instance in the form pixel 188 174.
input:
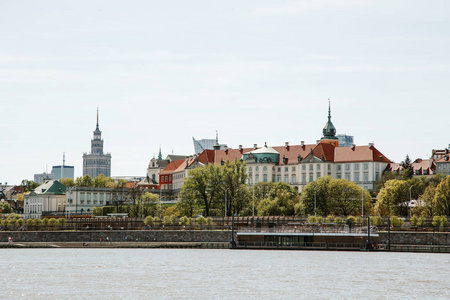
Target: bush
pixel 149 220
pixel 396 221
pixel 173 219
pixel 351 220
pixel 184 221
pixel 45 222
pixel 444 221
pixel 61 222
pixel 311 219
pixel 414 220
pixel 52 222
pixel 421 221
pixel 37 222
pixel 167 220
pixel 330 219
pixel 376 220
pixel 319 220
pixel 338 221
pixel 5 223
pixel 29 222
pixel 190 221
pixel 20 222
pixel 209 221
pixel 201 221
pixel 97 211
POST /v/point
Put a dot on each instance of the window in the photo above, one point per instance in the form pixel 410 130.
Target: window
pixel 250 180
pixel 357 177
pixel 303 167
pixel 338 167
pixel 286 178
pixel 317 176
pixel 356 166
pixel 347 167
pixel 366 166
pixel 445 166
pixel 256 168
pixel 311 177
pixel 347 176
pixel 279 169
pixel 303 178
pixel 273 168
pixel 286 169
pixel 265 177
pixel 278 178
pixel 338 176
pixel 273 177
pixel 293 179
pixel 318 167
pixel 329 167
pixel 311 167
pixel 293 168
pixel 366 177
pixel 153 177
pixel 249 169
pixel 265 169
pixel 256 178
pixel 377 175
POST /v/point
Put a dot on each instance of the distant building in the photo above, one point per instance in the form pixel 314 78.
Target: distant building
pixel 206 144
pixel 156 165
pixel 41 177
pixel 345 140
pixel 46 199
pixel 81 200
pixel 63 171
pixel 96 162
pixel 420 167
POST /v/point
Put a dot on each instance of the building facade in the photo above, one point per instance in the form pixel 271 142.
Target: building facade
pixel 46 199
pixel 97 162
pixel 81 200
pixel 41 177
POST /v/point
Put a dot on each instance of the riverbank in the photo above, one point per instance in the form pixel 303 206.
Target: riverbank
pixel 167 245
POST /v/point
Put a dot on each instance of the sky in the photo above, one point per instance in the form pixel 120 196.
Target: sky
pixel 162 72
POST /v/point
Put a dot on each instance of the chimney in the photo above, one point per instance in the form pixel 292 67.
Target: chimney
pixel 240 147
pixel 371 145
pixel 255 146
pixel 225 147
pixel 302 143
pixel 353 147
pixel 286 145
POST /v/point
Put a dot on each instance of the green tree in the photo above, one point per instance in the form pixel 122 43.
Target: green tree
pixel 67 182
pixel 316 194
pixel 205 185
pixel 184 221
pixel 148 220
pixel 441 202
pixel 62 222
pixel 407 169
pixel 5 208
pixel 234 177
pixel 52 222
pixel 201 221
pixel 396 221
pixel 29 223
pixel 37 222
pixel 86 180
pixel 6 223
pixel 29 185
pixel 103 181
pixel 393 197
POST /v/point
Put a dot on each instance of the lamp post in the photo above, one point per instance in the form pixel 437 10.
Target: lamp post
pixel 315 202
pixel 160 190
pixel 410 204
pixel 253 202
pixel 227 189
pixel 362 202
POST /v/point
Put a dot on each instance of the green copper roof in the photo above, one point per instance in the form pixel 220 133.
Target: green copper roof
pixel 329 131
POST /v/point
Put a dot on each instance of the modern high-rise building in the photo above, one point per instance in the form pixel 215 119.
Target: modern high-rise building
pixel 63 171
pixel 207 144
pixel 345 140
pixel 96 162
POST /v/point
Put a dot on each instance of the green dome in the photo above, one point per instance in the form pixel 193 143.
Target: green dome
pixel 329 131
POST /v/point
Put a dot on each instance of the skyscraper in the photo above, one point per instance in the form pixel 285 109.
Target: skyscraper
pixel 96 162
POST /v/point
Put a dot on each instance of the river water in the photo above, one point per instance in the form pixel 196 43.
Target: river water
pixel 221 274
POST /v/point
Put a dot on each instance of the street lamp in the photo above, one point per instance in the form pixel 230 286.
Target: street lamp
pixel 227 189
pixel 362 202
pixel 253 202
pixel 315 202
pixel 410 204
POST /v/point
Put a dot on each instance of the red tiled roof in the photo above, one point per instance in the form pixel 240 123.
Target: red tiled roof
pixel 359 154
pixel 172 166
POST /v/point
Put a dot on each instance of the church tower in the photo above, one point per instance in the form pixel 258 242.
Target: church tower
pixel 329 131
pixel 96 162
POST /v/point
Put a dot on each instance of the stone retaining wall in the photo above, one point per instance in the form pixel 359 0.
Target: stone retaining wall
pixel 416 238
pixel 118 236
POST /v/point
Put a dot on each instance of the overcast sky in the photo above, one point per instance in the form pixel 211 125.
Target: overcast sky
pixel 162 72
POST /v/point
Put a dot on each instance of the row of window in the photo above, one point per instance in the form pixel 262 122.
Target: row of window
pixel 166 178
pixel 89 202
pixel 443 166
pixel 356 167
pixel 94 196
pixel 311 177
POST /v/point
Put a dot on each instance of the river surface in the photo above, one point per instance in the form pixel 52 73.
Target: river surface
pixel 221 274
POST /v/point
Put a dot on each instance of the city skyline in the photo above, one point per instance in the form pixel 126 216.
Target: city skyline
pixel 256 72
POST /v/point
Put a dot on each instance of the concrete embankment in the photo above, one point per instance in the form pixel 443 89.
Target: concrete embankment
pixel 129 245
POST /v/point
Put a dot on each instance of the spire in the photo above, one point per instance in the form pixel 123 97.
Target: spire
pixel 329 109
pixel 217 138
pixel 329 131
pixel 96 128
pixel 159 155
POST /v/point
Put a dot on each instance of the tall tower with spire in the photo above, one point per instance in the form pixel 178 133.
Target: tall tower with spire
pixel 97 162
pixel 329 131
